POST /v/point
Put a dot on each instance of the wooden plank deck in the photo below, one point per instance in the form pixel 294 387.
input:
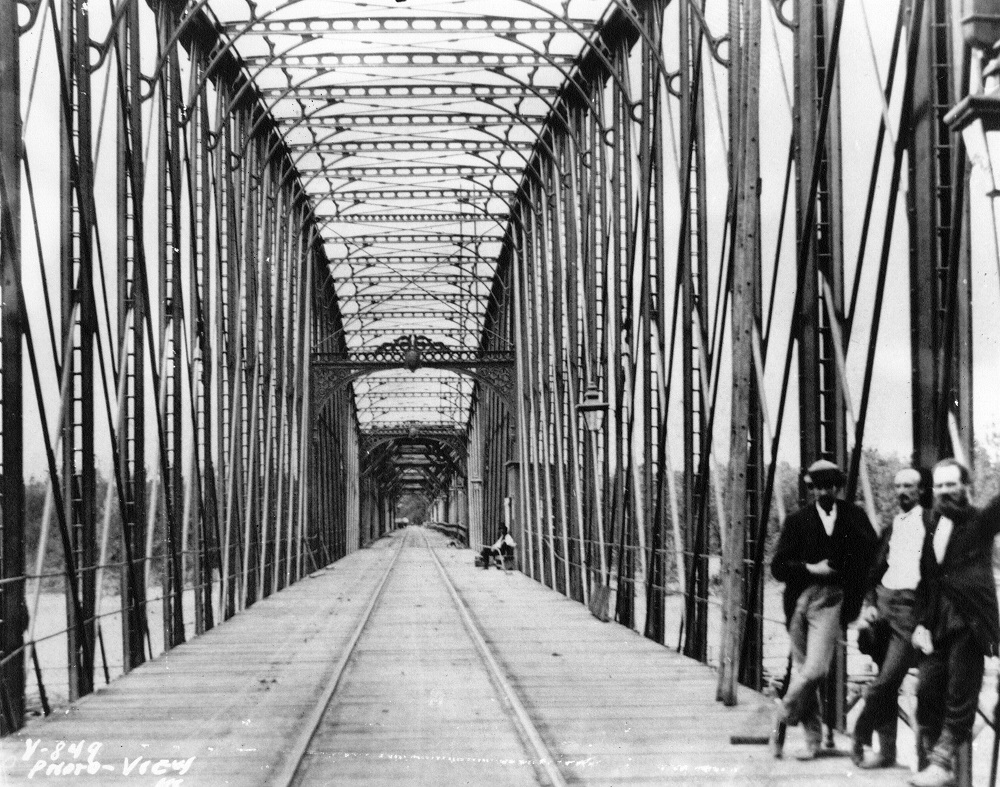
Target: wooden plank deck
pixel 613 707
pixel 616 708
pixel 231 699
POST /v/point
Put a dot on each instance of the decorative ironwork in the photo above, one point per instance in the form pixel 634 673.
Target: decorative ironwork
pixel 332 371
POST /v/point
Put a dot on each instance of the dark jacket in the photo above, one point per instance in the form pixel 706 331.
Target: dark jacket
pixel 965 576
pixel 850 551
pixel 881 563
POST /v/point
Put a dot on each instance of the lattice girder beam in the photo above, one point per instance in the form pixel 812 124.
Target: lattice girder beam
pixel 405 145
pixel 414 218
pixel 445 262
pixel 410 194
pixel 381 120
pixel 410 90
pixel 497 25
pixel 446 238
pixel 391 169
pixel 361 281
pixel 389 59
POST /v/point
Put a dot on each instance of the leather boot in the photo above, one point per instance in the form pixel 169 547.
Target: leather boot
pixel 887 747
pixel 857 749
pixel 925 744
pixel 933 776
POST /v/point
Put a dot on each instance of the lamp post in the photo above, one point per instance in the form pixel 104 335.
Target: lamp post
pixel 592 408
pixel 981 22
pixel 977 117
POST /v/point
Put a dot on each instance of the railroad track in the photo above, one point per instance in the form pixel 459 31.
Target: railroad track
pixel 300 767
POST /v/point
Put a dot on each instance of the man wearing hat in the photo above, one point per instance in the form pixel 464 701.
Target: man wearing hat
pixel 889 606
pixel 824 555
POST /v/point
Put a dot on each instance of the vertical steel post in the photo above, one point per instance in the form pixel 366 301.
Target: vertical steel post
pixel 524 377
pixel 577 260
pixel 553 299
pixel 131 338
pixel 79 480
pixel 821 411
pixel 13 610
pixel 940 280
pixel 693 266
pixel 619 345
pixel 200 347
pixel 170 324
pixel 821 403
pixel 646 231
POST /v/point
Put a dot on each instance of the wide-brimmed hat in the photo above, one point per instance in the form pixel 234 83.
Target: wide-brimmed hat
pixel 823 471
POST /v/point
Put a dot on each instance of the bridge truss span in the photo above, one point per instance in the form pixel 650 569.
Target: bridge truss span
pixel 608 273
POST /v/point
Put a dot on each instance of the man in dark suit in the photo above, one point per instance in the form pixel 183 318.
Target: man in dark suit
pixel 888 617
pixel 823 556
pixel 958 624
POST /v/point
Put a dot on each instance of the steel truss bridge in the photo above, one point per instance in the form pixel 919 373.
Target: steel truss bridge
pixel 270 268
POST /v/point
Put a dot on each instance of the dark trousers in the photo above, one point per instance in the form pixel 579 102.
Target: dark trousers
pixel 489 552
pixel 950 680
pixel 880 711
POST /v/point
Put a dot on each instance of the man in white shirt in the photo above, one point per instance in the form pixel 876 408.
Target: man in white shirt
pixel 890 605
pixel 503 546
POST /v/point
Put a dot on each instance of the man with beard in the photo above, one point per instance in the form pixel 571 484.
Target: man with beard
pixel 890 606
pixel 957 618
pixel 823 556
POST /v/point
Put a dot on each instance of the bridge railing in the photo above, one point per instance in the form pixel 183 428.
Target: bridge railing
pixel 453 530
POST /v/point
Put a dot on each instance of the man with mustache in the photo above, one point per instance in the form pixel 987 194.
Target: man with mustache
pixel 890 605
pixel 823 556
pixel 958 623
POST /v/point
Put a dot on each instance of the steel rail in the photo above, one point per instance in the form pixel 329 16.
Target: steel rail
pixel 519 713
pixel 290 767
pixel 289 771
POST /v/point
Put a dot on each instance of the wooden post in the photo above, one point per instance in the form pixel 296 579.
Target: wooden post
pixel 744 176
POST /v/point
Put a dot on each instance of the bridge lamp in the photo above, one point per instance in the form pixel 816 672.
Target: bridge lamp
pixel 592 408
pixel 977 117
pixel 411 358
